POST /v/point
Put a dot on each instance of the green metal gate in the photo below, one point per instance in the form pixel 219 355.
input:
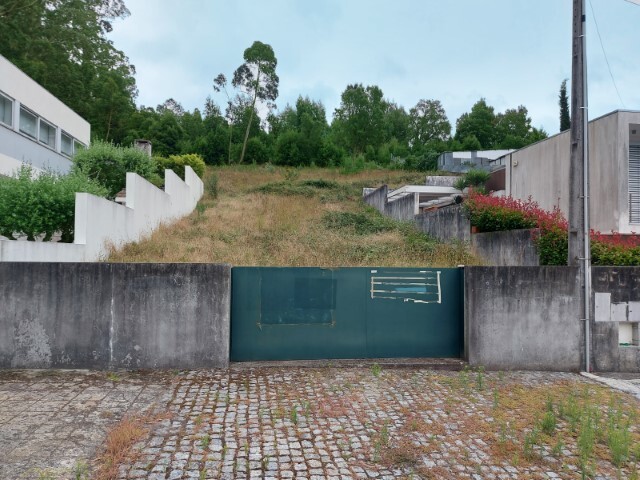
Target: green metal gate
pixel 317 313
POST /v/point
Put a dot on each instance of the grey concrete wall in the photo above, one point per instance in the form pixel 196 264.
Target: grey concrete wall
pixel 508 248
pixel 99 315
pixel 377 199
pixel 403 209
pixel 523 318
pixel 622 284
pixel 445 223
pixel 441 180
pixel 541 171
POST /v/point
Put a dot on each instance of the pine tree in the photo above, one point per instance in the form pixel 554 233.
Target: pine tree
pixel 565 118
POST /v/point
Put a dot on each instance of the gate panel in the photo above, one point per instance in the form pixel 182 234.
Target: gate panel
pixel 414 313
pixel 297 314
pixel 315 313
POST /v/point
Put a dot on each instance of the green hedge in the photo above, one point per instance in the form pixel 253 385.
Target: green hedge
pixel 42 205
pixel 108 165
pixel 178 162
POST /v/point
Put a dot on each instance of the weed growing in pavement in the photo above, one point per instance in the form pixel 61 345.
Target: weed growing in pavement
pixel 556 451
pixel 306 407
pixel 118 445
pixel 294 415
pixel 480 378
pixel 618 436
pixel 463 378
pixel 548 423
pixel 531 440
pixel 205 440
pixel 586 441
pixel 113 376
pixel 496 398
pixel 81 471
pixel 376 370
pixel 202 475
pixel 198 420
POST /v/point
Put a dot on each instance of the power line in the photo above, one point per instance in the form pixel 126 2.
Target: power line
pixel 595 21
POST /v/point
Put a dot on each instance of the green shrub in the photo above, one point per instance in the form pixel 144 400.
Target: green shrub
pixel 108 165
pixel 176 163
pixel 42 205
pixel 473 178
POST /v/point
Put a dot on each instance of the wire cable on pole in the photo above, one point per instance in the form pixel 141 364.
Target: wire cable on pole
pixel 606 59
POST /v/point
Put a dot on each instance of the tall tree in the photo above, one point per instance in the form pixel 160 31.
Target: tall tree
pixel 428 122
pixel 480 122
pixel 565 116
pixel 258 79
pixel 359 121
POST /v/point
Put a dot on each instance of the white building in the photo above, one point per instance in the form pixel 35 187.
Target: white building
pixel 35 127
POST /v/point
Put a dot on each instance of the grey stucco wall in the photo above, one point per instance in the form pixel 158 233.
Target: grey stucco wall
pixel 445 223
pixel 402 209
pixel 377 199
pixel 99 315
pixel 623 284
pixel 508 248
pixel 523 318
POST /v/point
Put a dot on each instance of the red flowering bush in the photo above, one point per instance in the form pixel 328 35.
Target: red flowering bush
pixel 493 214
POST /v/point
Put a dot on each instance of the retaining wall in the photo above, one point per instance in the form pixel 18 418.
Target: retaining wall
pixel 101 315
pixel 448 223
pixel 508 248
pixel 523 318
pixel 100 223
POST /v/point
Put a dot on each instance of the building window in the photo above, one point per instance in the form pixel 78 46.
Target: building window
pixel 77 146
pixel 47 134
pixel 28 123
pixel 6 110
pixel 66 144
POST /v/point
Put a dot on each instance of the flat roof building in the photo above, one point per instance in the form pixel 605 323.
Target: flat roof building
pixel 36 127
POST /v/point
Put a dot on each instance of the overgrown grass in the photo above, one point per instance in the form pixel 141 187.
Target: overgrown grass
pixel 118 446
pixel 270 216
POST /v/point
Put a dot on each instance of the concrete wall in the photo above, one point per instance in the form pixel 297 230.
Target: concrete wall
pixel 100 223
pixel 448 223
pixel 616 306
pixel 401 209
pixel 404 208
pixel 441 181
pixel 508 248
pixel 377 198
pixel 523 318
pixel 541 171
pixel 98 315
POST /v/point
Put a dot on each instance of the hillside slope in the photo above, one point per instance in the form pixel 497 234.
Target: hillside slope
pixel 269 216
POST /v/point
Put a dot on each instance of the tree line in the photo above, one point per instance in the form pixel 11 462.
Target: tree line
pixel 63 46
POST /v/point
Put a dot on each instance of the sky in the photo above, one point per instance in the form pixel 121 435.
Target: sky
pixel 510 52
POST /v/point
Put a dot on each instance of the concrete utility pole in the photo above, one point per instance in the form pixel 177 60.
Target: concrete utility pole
pixel 579 242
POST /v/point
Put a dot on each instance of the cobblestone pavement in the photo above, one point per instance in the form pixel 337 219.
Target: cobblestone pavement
pixel 304 423
pixel 51 422
pixel 352 423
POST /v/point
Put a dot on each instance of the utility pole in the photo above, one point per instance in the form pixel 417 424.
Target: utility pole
pixel 579 242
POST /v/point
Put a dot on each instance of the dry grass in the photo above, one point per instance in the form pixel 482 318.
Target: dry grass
pixel 119 445
pixel 283 225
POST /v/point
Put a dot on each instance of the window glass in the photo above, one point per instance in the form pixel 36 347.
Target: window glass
pixel 6 110
pixel 47 134
pixel 77 146
pixel 66 144
pixel 28 123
